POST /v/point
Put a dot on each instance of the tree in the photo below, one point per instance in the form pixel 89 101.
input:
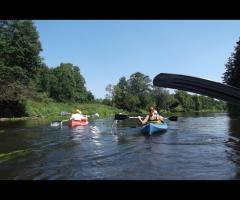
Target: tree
pixel 62 85
pixel 139 83
pixel 184 99
pixel 120 93
pixel 80 92
pixel 140 86
pixel 232 75
pixel 162 98
pixel 44 78
pixel 197 102
pixel 90 96
pixel 133 94
pixel 109 96
pixel 19 61
pixel 67 84
pixel 19 57
pixel 20 45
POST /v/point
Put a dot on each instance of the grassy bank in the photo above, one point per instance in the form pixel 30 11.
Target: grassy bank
pixel 180 109
pixel 53 109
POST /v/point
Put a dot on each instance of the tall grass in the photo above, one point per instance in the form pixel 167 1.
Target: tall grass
pixel 51 109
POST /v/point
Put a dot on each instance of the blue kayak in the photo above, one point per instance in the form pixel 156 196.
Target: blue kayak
pixel 152 128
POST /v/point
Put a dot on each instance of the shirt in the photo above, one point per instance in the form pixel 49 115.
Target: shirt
pixel 77 116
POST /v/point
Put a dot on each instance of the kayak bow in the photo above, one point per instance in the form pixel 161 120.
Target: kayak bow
pixel 152 128
pixel 73 123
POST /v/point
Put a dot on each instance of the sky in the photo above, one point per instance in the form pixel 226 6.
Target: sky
pixel 106 50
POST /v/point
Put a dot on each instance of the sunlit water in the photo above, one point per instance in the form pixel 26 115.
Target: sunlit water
pixel 196 147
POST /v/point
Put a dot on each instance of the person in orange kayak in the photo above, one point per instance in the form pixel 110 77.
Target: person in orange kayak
pixel 78 116
pixel 152 116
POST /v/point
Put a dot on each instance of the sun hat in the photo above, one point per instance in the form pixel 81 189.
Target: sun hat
pixel 78 111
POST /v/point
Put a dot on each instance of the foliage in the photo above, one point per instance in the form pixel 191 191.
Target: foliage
pixel 132 94
pixel 19 62
pixel 7 156
pixel 20 45
pixel 198 102
pixel 24 76
pixel 19 58
pixel 163 99
pixel 136 94
pixel 63 83
pixel 232 75
pixel 54 109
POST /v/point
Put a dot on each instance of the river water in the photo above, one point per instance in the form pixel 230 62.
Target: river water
pixel 196 147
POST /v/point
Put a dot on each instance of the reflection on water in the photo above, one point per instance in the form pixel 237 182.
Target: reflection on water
pixel 233 153
pixel 234 127
pixel 196 147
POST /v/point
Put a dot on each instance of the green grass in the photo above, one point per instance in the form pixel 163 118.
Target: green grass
pixel 53 109
pixel 13 154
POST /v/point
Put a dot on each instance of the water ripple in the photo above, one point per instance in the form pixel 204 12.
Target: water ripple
pixel 193 148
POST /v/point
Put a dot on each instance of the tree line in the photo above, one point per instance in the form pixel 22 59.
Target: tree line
pixel 232 75
pixel 24 75
pixel 137 93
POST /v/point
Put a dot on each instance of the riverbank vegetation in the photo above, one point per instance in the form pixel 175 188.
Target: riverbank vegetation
pixel 136 94
pixel 232 75
pixel 24 76
pixel 53 109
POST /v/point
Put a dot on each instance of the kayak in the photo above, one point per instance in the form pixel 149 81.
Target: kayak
pixel 152 128
pixel 73 123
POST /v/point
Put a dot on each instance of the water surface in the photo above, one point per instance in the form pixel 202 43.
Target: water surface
pixel 196 147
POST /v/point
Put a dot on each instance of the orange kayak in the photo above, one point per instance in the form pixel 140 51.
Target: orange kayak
pixel 73 123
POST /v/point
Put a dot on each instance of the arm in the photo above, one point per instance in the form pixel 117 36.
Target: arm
pixel 143 121
pixel 161 118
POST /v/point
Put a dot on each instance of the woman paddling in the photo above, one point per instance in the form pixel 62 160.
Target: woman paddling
pixel 152 116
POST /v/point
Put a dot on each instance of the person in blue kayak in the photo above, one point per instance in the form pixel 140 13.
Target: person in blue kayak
pixel 78 116
pixel 152 116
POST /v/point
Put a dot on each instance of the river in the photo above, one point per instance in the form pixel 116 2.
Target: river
pixel 196 147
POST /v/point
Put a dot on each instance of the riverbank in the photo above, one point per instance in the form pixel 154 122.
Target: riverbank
pixel 36 110
pixel 50 110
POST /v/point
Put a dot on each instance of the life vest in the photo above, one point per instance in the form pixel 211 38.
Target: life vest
pixel 153 117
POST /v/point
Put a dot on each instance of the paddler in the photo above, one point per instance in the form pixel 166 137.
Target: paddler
pixel 152 116
pixel 78 116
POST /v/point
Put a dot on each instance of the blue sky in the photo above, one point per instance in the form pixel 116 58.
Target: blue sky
pixel 106 50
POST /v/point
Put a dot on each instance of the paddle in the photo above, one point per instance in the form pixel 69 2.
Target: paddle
pixel 93 115
pixel 198 85
pixel 58 122
pixel 123 117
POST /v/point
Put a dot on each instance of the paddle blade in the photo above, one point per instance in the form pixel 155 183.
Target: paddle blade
pixel 56 123
pixel 96 115
pixel 173 118
pixel 120 117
